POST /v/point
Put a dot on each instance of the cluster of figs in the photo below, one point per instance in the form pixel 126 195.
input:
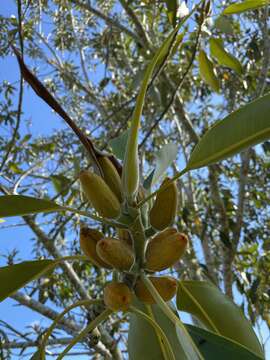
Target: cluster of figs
pixel 162 250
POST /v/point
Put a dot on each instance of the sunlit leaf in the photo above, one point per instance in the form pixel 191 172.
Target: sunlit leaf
pixel 164 158
pixel 223 57
pixel 224 24
pixel 131 163
pixel 207 71
pixel 61 184
pixel 15 205
pixel 119 144
pixel 243 128
pixel 244 6
pixel 217 312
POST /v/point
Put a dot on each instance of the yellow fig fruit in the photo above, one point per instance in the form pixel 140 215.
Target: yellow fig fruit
pixel 88 241
pixel 116 253
pixel 166 286
pixel 165 249
pixel 99 195
pixel 111 176
pixel 165 206
pixel 117 296
pixel 125 236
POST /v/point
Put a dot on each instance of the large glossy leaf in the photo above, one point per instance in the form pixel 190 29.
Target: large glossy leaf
pixel 164 158
pixel 217 312
pixel 14 205
pixel 14 277
pixel 245 6
pixel 223 57
pixel 245 127
pixel 207 71
pixel 142 339
pixel 214 347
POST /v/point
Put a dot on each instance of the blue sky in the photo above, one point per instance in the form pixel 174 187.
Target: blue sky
pixel 43 122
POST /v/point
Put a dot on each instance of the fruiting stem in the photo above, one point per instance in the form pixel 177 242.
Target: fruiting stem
pixel 178 175
pixel 93 324
pixel 170 314
pixel 169 355
pixel 139 239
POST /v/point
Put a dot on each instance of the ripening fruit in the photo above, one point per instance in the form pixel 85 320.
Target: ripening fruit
pixel 88 241
pixel 165 249
pixel 111 176
pixel 125 236
pixel 117 296
pixel 99 195
pixel 116 253
pixel 165 285
pixel 164 209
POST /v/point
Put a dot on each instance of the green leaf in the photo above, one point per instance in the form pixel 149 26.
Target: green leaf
pixel 14 205
pixel 171 11
pixel 2 220
pixel 119 145
pixel 14 277
pixel 142 339
pixel 164 158
pixel 243 128
pixel 217 312
pixel 38 355
pixel 130 176
pixel 224 24
pixel 245 6
pixel 214 347
pixel 61 184
pixel 207 71
pixel 223 57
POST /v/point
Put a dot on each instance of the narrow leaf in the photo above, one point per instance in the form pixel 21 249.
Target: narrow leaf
pixel 171 11
pixel 14 277
pixel 214 346
pixel 217 312
pixel 15 205
pixel 243 128
pixel 38 355
pixel 131 162
pixel 207 71
pixel 245 6
pixel 61 184
pixel 223 57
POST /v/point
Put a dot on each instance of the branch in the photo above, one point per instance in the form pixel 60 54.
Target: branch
pixel 108 20
pixel 32 343
pixel 67 325
pixel 140 30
